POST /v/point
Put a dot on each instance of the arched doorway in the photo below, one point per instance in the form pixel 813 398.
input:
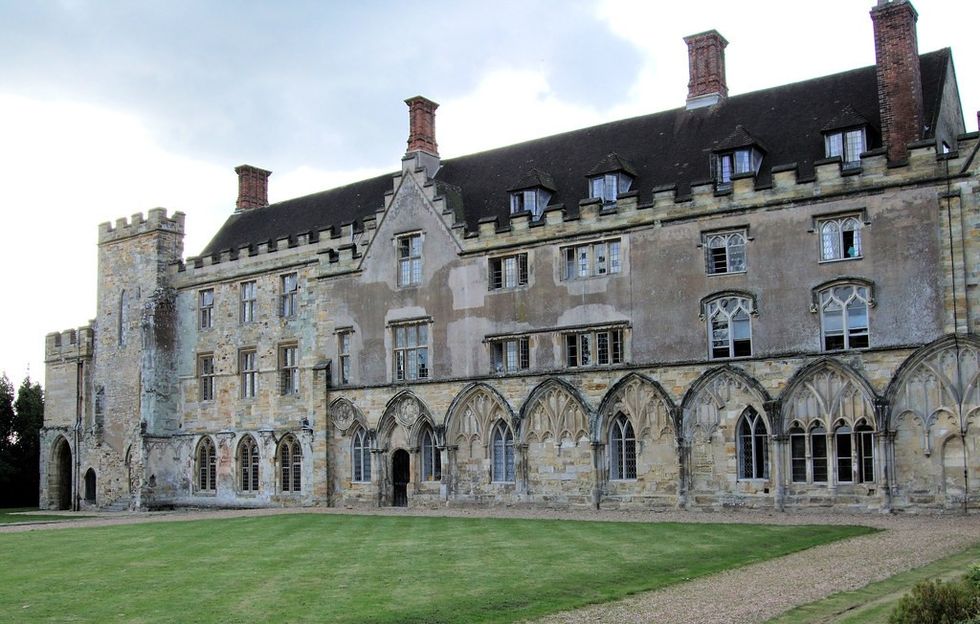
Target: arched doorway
pixel 400 477
pixel 59 475
pixel 90 486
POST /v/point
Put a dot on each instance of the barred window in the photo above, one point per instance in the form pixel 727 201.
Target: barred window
pixel 207 476
pixel 753 446
pixel 503 453
pixel 594 348
pixel 592 260
pixel 205 376
pixel 290 465
pixel 725 252
pixel 248 465
pixel 360 457
pixel 431 460
pixel 729 327
pixel 249 371
pixel 510 355
pixel 248 298
pixel 288 287
pixel 206 307
pixel 409 260
pixel 508 271
pixel 622 449
pixel 844 317
pixel 411 351
pixel 288 370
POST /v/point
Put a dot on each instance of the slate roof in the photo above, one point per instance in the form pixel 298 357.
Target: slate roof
pixel 667 148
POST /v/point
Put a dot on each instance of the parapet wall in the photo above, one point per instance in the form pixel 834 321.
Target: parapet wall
pixel 156 219
pixel 69 344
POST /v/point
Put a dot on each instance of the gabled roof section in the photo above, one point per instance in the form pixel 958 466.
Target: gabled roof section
pixel 667 148
pixel 612 163
pixel 535 178
pixel 846 118
pixel 740 137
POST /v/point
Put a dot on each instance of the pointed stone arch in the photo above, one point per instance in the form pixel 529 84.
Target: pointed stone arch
pixel 472 414
pixel 555 411
pixel 344 414
pixel 712 392
pixel 828 392
pixel 643 401
pixel 405 410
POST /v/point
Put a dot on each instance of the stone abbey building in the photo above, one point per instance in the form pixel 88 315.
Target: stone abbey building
pixel 766 300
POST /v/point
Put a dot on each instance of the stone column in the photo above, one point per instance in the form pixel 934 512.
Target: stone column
pixel 884 450
pixel 226 485
pixel 774 410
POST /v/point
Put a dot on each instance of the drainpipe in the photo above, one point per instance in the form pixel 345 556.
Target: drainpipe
pixel 79 376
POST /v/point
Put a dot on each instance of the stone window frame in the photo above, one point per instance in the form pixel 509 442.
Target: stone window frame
pixel 408 257
pixel 288 365
pixel 500 354
pixel 502 453
pixel 248 372
pixel 728 238
pixel 206 466
pixel 360 456
pixel 592 259
pixel 345 336
pixel 751 444
pixel 622 449
pixel 583 348
pixel 288 289
pixel 712 309
pixel 289 460
pixel 205 376
pixel 248 301
pixel 408 351
pixel 860 452
pixel 205 308
pixel 431 460
pixel 854 217
pixel 820 302
pixel 806 452
pixel 500 278
pixel 248 462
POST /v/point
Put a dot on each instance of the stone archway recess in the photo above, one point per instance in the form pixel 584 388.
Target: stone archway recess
pixel 59 479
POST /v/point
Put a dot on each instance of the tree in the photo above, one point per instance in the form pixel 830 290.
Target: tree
pixel 20 426
pixel 8 477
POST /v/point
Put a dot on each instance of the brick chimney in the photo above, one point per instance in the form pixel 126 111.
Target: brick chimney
pixel 422 125
pixel 253 187
pixel 706 63
pixel 899 76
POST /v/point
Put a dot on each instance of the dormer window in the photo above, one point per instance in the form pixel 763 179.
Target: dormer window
pixel 529 200
pixel 848 145
pixel 738 154
pixel 608 186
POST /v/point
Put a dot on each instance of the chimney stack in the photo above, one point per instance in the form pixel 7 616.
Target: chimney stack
pixel 422 125
pixel 899 75
pixel 253 187
pixel 706 62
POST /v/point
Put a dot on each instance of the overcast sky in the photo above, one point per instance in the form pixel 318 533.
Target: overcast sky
pixel 108 108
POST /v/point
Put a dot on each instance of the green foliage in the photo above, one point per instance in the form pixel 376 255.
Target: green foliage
pixel 347 569
pixel 940 602
pixel 20 426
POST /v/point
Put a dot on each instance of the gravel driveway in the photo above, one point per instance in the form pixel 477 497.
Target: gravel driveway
pixel 750 594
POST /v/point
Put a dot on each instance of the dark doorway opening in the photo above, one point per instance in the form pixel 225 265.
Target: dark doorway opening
pixel 400 477
pixel 90 486
pixel 59 481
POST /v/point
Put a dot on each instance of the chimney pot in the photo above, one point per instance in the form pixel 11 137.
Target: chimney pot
pixel 422 125
pixel 706 63
pixel 899 75
pixel 253 187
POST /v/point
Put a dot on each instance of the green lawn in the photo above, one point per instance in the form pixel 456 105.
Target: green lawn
pixel 10 515
pixel 331 568
pixel 873 603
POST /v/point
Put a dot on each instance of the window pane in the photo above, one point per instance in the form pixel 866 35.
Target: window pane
pixel 835 145
pixel 831 241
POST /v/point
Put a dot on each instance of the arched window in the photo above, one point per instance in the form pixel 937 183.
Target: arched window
pixel 248 465
pixel 843 451
pixel 360 457
pixel 431 461
pixel 207 466
pixel 818 452
pixel 844 317
pixel 622 449
pixel 865 446
pixel 729 327
pixel 840 239
pixel 503 453
pixel 797 446
pixel 290 465
pixel 753 446
pixel 725 252
pixel 90 486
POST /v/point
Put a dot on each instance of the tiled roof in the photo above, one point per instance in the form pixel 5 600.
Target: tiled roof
pixel 667 148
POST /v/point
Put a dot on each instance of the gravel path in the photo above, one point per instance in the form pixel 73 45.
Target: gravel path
pixel 750 594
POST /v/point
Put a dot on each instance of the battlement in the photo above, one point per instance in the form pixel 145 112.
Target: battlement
pixel 156 219
pixel 69 344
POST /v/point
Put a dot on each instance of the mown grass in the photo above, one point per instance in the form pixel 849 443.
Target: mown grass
pixel 329 568
pixel 873 603
pixel 10 515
